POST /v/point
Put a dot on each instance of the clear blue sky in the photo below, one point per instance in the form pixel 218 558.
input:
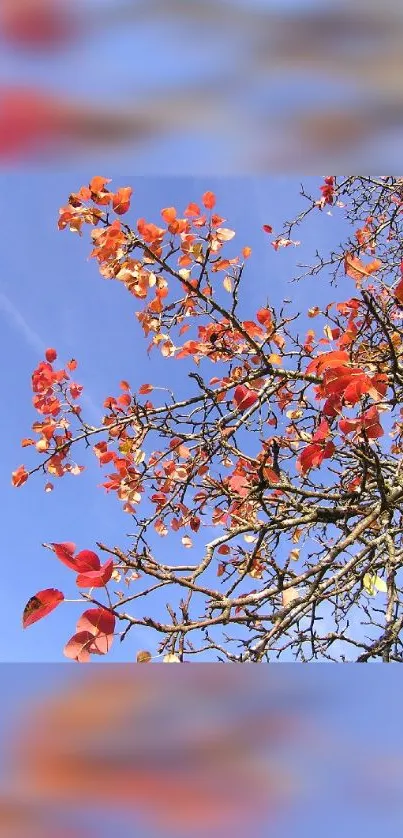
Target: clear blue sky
pixel 52 295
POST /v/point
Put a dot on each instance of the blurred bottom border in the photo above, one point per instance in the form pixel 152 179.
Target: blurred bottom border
pixel 203 750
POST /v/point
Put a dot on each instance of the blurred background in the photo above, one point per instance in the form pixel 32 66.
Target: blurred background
pixel 207 86
pixel 201 751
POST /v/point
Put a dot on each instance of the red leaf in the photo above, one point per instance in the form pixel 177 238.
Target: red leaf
pixel 371 423
pixel 313 455
pixel 64 552
pixel 358 386
pixel 96 578
pixel 348 425
pixel 97 621
pixel 267 228
pixel 209 200
pixel 327 360
pixel 321 432
pixel 379 385
pixel 41 605
pixel 264 317
pixel 77 647
pixel 332 406
pixel 101 644
pixel 86 560
pixel 244 398
pixel 51 355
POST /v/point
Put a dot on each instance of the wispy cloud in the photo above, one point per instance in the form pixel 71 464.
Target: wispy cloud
pixel 17 320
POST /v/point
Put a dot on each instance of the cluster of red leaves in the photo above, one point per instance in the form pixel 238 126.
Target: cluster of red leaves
pixel 54 397
pixel 93 636
pixel 91 574
pixel 96 626
pixel 343 384
pixel 125 480
pixel 76 213
pixel 246 475
pixel 219 341
pixel 196 233
pixel 368 422
pixel 328 190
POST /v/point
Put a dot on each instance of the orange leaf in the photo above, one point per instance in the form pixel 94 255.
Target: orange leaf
pixel 51 355
pixel 169 214
pixel 97 184
pixel 357 270
pixel 192 209
pixel 264 317
pixel 209 200
pixel 143 657
pixel 121 200
pixel 19 476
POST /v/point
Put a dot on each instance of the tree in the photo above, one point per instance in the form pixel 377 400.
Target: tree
pixel 282 459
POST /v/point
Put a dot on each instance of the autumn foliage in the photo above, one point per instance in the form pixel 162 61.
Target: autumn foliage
pixel 280 467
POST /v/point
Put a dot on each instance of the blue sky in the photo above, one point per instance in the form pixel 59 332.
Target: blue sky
pixel 51 294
